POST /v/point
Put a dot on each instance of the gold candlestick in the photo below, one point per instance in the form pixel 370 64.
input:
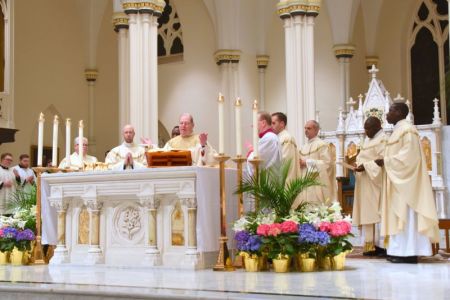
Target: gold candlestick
pixel 38 253
pixel 256 162
pixel 239 160
pixel 223 259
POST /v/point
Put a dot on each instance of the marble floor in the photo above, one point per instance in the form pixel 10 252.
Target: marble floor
pixel 362 279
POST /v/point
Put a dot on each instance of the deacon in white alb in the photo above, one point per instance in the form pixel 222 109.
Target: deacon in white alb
pixel 25 173
pixel 75 161
pixel 128 155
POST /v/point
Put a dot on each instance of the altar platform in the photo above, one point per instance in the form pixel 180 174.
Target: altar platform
pixel 362 279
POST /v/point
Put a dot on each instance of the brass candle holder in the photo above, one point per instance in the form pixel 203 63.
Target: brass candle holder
pixel 255 163
pixel 239 160
pixel 223 262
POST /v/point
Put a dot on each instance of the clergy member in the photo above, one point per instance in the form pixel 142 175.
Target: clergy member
pixel 289 151
pixel 269 149
pixel 128 155
pixel 315 156
pixel 408 211
pixel 75 161
pixel 202 153
pixel 25 173
pixel 8 181
pixel 366 205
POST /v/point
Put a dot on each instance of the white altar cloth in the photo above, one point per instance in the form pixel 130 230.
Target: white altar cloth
pixel 206 190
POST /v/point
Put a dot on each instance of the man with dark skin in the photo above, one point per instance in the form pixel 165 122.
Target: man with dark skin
pixel 372 126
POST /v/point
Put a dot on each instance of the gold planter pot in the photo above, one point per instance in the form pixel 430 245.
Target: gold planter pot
pixel 305 263
pixel 17 257
pixel 251 264
pixel 263 264
pixel 281 265
pixel 324 263
pixel 338 261
pixel 4 258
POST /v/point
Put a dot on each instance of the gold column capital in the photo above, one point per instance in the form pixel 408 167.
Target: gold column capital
pixel 227 56
pixel 344 50
pixel 119 21
pixel 153 7
pixel 262 61
pixel 290 8
pixel 91 74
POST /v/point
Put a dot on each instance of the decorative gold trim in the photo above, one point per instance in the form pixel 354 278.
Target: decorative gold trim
pixel 156 5
pixel 314 151
pixel 91 74
pixel 262 61
pixel 372 60
pixel 383 141
pixel 306 6
pixel 346 50
pixel 226 55
pixel 120 19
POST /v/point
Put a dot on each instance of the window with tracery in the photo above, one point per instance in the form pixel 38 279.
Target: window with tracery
pixel 429 58
pixel 170 35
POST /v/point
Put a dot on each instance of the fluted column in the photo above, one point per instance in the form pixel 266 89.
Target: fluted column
pixel 91 78
pixel 153 255
pixel 94 206
pixel 143 55
pixel 61 254
pixel 228 62
pixel 298 20
pixel 344 53
pixel 262 62
pixel 120 22
pixel 191 254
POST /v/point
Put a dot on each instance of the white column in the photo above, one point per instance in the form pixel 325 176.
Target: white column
pixel 310 89
pixel 152 253
pixel 153 84
pixel 94 206
pixel 120 21
pixel 61 254
pixel 262 61
pixel 91 77
pixel 343 53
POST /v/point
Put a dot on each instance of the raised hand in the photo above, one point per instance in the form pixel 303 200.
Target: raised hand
pixel 203 137
pixel 146 141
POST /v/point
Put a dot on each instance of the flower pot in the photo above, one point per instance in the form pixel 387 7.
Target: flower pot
pixel 262 264
pixel 338 261
pixel 4 257
pixel 307 264
pixel 251 264
pixel 16 257
pixel 324 263
pixel 281 265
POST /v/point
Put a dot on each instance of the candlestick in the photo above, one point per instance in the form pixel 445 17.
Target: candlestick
pixel 221 124
pixel 237 116
pixel 40 139
pixel 80 142
pixel 68 125
pixel 55 141
pixel 255 128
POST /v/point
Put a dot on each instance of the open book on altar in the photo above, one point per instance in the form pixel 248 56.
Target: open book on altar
pixel 173 158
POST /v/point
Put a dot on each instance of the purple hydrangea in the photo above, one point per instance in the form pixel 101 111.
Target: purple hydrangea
pixel 247 242
pixel 10 232
pixel 254 243
pixel 307 233
pixel 25 235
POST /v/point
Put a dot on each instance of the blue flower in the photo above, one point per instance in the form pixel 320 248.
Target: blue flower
pixel 309 234
pixel 254 243
pixel 10 232
pixel 25 235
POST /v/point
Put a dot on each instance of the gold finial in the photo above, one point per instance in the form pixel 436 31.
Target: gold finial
pixel 255 104
pixel 238 102
pixel 221 98
pixel 41 117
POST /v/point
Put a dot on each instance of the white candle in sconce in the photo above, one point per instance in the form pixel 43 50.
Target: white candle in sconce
pixel 55 141
pixel 68 141
pixel 221 102
pixel 80 141
pixel 40 140
pixel 255 128
pixel 237 116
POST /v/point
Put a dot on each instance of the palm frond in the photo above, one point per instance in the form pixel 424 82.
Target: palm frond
pixel 22 198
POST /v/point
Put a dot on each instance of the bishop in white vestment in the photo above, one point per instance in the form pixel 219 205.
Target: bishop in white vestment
pixel 128 155
pixel 408 213
pixel 75 162
pixel 315 156
pixel 369 180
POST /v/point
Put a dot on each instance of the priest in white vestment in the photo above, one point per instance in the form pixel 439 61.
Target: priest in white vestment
pixel 289 151
pixel 408 212
pixel 74 162
pixel 128 155
pixel 27 178
pixel 269 148
pixel 8 181
pixel 369 181
pixel 201 151
pixel 315 156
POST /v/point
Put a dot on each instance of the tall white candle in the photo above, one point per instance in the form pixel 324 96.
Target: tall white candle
pixel 80 141
pixel 255 128
pixel 68 125
pixel 237 117
pixel 221 124
pixel 40 139
pixel 55 141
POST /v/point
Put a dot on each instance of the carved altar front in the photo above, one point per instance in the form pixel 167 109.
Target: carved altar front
pixel 148 217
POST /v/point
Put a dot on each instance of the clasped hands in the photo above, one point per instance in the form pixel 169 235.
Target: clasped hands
pixel 360 168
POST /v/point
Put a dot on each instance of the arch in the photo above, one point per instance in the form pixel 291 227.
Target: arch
pixel 170 35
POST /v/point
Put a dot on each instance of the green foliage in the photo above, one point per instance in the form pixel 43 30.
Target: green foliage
pixel 7 244
pixel 282 244
pixel 338 245
pixel 22 198
pixel 273 191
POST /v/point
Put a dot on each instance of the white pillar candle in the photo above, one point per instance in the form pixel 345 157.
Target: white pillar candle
pixel 255 128
pixel 68 125
pixel 55 141
pixel 221 124
pixel 80 140
pixel 40 139
pixel 237 116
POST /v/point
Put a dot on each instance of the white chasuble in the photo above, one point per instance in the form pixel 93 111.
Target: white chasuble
pixel 366 205
pixel 116 157
pixel 201 156
pixel 289 152
pixel 408 206
pixel 6 192
pixel 75 161
pixel 269 152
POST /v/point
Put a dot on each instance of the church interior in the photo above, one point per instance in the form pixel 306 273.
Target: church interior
pixel 108 64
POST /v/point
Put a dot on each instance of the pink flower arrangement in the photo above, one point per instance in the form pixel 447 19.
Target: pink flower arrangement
pixel 277 228
pixel 289 227
pixel 336 229
pixel 325 226
pixel 263 229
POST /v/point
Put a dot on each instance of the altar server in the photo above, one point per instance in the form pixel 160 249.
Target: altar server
pixel 27 178
pixel 7 181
